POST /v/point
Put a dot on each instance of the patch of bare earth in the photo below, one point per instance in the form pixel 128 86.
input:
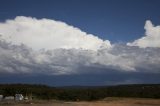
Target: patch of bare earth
pixel 105 102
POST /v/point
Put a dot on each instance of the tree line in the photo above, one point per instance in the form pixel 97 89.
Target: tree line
pixel 44 92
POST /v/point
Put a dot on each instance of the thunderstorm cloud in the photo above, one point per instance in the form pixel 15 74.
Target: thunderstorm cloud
pixel 44 46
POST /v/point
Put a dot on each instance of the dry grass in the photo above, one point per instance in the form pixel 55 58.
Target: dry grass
pixel 105 102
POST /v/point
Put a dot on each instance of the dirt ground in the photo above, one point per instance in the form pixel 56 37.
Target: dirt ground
pixel 105 102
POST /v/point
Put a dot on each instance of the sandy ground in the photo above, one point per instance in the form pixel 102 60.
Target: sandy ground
pixel 105 102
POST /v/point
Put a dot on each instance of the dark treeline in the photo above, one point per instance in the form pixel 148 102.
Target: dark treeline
pixel 81 93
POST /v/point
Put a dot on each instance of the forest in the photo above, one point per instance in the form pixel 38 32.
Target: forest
pixel 81 93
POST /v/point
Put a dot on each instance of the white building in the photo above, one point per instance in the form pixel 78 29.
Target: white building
pixel 9 98
pixel 19 97
pixel 1 97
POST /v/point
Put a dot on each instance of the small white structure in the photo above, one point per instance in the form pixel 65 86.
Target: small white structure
pixel 9 98
pixel 19 97
pixel 1 97
pixel 26 98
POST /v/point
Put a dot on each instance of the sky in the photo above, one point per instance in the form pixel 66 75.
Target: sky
pixel 80 42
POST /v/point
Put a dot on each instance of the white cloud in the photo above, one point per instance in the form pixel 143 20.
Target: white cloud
pixel 152 38
pixel 48 34
pixel 21 59
pixel 23 38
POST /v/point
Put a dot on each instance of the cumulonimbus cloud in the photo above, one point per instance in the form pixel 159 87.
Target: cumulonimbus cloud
pixel 151 38
pixel 67 50
pixel 48 34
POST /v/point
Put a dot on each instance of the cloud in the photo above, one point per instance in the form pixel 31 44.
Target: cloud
pixel 48 34
pixel 151 38
pixel 19 59
pixel 142 59
pixel 23 39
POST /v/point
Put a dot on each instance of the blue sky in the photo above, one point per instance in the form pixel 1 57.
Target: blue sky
pixel 116 20
pixel 80 42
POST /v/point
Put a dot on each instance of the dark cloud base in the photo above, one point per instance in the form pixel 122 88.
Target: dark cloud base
pixel 84 79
